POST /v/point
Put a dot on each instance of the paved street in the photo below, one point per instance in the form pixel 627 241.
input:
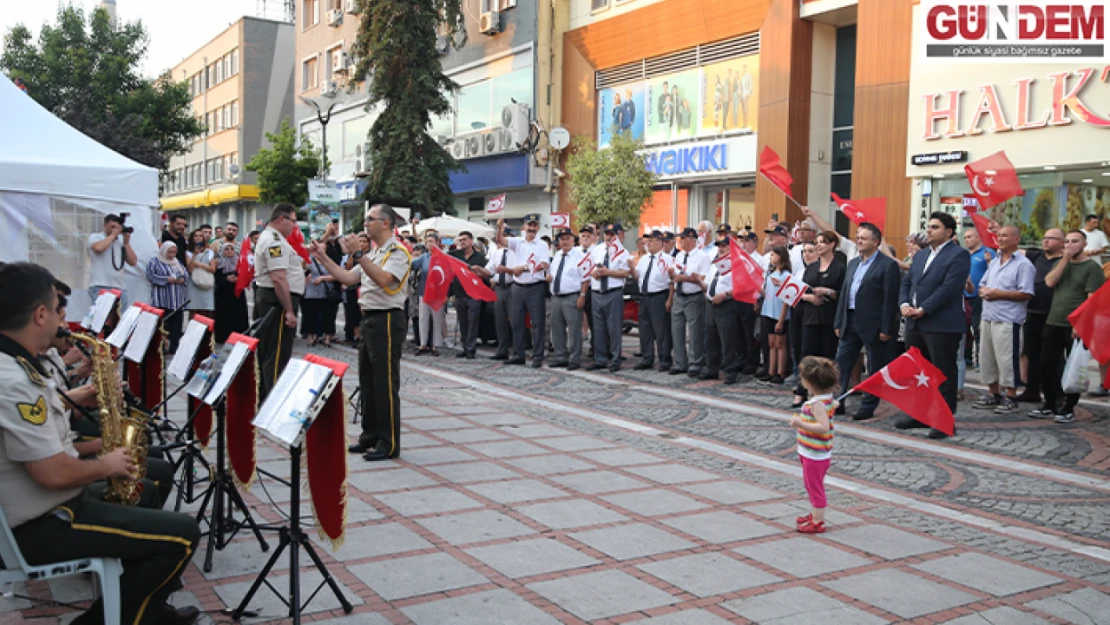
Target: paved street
pixel 529 496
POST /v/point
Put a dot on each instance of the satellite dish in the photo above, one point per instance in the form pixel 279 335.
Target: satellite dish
pixel 559 138
pixel 233 170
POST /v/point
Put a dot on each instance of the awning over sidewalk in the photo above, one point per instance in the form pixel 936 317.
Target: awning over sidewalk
pixel 211 197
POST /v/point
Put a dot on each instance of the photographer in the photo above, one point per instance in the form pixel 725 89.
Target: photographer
pixel 108 252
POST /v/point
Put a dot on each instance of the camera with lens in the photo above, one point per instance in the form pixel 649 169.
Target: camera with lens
pixel 126 229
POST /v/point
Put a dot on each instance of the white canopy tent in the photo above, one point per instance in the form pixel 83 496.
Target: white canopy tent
pixel 450 227
pixel 56 185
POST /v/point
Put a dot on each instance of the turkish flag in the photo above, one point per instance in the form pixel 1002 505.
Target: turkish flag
pixel 871 210
pixel 244 269
pixel 982 226
pixel 296 241
pixel 770 165
pixel 912 383
pixel 438 281
pixel 993 180
pixel 747 275
pixel 471 283
pixel 1092 320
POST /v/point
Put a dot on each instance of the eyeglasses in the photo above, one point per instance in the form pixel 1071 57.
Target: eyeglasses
pixel 1053 238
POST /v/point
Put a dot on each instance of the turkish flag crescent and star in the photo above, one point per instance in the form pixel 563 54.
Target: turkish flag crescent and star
pixel 993 180
pixel 770 165
pixel 747 276
pixel 911 383
pixel 1092 320
pixel 244 269
pixel 471 283
pixel 983 227
pixel 871 210
pixel 438 281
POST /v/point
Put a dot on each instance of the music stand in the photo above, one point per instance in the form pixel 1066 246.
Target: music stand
pixel 293 404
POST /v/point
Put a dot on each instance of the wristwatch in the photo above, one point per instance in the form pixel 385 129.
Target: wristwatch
pixel 358 255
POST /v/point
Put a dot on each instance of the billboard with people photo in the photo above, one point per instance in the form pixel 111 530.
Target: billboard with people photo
pixel 620 110
pixel 729 96
pixel 672 103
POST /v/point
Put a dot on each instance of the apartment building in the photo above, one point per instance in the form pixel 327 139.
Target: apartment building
pixel 242 87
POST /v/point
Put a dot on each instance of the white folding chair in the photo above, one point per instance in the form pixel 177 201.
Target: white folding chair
pixel 15 569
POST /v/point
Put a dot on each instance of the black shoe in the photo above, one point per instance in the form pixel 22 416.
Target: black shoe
pixel 907 422
pixel 499 357
pixel 471 355
pixel 694 373
pixel 862 416
pixel 841 410
pixel 730 380
pixel 536 364
pixel 614 368
pixel 777 380
pixel 461 354
pixel 597 366
pixel 760 373
pixel 709 375
pixel 637 354
pixel 749 370
pixel 936 434
pixel 379 453
pixel 558 365
pixel 361 448
pixel 515 361
pixel 186 615
pixel 764 378
pixel 643 366
pixel 1031 398
pixel 572 367
pixel 676 372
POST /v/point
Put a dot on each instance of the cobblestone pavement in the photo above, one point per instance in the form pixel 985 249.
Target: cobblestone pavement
pixel 535 496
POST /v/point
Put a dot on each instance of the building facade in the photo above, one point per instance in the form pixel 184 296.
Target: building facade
pixel 242 87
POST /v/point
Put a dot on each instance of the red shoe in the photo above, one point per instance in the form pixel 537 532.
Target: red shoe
pixel 812 528
pixel 802 520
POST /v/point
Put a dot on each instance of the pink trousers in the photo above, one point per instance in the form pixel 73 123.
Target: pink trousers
pixel 813 472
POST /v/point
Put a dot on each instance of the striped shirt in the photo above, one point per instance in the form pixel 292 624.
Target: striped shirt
pixel 810 444
pixel 163 294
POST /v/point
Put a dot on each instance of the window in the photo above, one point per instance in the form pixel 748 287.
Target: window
pixel 474 108
pixel 355 133
pixel 227 67
pixel 234 62
pixel 309 77
pixel 208 78
pixel 235 113
pixel 311 15
pixel 219 72
pixel 515 85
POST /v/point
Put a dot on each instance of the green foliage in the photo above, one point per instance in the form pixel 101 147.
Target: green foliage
pixel 609 185
pixel 396 51
pixel 285 168
pixel 87 73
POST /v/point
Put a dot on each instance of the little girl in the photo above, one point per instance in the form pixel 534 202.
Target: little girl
pixel 815 435
pixel 774 315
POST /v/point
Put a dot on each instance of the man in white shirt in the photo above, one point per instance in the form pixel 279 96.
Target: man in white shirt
pixel 654 279
pixel 109 252
pixel 687 304
pixel 610 270
pixel 722 319
pixel 568 298
pixel 533 256
pixel 1096 238
pixel 501 263
pixel 750 242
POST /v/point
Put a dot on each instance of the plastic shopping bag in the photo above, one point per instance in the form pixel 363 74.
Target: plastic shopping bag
pixel 1075 371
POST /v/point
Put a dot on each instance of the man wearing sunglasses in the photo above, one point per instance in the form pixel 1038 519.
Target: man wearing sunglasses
pixel 280 280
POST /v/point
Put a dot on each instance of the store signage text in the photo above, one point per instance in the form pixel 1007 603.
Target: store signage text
pixel 693 160
pixel 939 158
pixel 1015 31
pixel 1067 96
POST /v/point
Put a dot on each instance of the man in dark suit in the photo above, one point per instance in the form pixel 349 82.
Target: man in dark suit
pixel 931 300
pixel 868 316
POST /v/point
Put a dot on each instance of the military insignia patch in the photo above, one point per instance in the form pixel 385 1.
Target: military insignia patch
pixel 32 372
pixel 275 251
pixel 34 413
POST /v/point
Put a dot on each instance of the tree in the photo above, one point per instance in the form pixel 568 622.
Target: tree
pixel 285 168
pixel 396 47
pixel 609 185
pixel 86 72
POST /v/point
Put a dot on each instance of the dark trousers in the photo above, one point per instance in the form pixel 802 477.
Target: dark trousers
pixel 721 329
pixel 351 313
pixel 154 545
pixel 379 377
pixel 879 355
pixel 655 334
pixel 502 310
pixel 746 353
pixel 529 299
pixel 608 317
pixel 794 339
pixel 469 311
pixel 1056 345
pixel 172 325
pixel 972 347
pixel 941 349
pixel 1033 334
pixel 275 344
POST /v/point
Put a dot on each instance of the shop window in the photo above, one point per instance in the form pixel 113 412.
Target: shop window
pixel 476 205
pixel 844 84
pixel 515 85
pixel 473 108
pixel 842 150
pixel 658 214
pixel 356 132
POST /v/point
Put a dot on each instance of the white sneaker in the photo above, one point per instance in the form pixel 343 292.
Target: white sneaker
pixel 1042 413
pixel 1065 418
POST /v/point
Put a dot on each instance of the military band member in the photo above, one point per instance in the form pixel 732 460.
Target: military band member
pixel 279 284
pixel 383 278
pixel 568 299
pixel 43 483
pixel 533 256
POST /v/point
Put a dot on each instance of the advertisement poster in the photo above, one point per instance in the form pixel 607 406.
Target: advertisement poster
pixel 620 109
pixel 672 102
pixel 729 96
pixel 319 216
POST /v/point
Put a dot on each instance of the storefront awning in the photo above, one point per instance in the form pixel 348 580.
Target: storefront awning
pixel 212 197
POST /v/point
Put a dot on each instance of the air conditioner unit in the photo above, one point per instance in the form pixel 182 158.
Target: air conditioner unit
pixel 490 22
pixel 505 140
pixel 515 119
pixel 457 150
pixel 489 143
pixel 335 17
pixel 328 88
pixel 473 147
pixel 340 61
pixel 352 6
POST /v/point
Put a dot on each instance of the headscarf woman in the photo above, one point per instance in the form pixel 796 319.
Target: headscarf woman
pixel 168 279
pixel 231 309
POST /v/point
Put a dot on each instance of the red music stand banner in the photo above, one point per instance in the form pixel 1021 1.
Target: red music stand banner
pixel 203 421
pixel 242 405
pixel 326 459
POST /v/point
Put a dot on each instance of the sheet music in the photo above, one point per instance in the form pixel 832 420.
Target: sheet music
pixel 284 413
pixel 208 372
pixel 230 368
pixel 126 325
pixel 140 339
pixel 187 350
pixel 101 309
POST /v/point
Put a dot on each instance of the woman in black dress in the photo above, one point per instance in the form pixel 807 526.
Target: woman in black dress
pixel 231 310
pixel 825 278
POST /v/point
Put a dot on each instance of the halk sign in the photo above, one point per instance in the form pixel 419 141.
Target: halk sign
pixel 1014 31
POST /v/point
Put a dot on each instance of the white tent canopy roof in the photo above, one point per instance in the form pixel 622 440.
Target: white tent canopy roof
pixel 450 227
pixel 42 154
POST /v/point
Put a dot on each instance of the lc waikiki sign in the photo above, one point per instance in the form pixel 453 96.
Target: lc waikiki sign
pixel 1014 31
pixel 702 159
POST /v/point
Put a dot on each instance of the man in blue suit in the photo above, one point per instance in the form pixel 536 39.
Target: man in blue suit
pixel 932 301
pixel 868 316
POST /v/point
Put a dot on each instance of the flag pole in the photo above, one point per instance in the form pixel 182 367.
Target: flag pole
pixel 789 197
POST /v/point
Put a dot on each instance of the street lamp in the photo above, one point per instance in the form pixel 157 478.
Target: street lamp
pixel 324 116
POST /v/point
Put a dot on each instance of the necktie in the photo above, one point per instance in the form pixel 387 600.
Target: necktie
pixel 647 275
pixel 605 279
pixel 559 273
pixel 713 285
pixel 685 264
pixel 504 257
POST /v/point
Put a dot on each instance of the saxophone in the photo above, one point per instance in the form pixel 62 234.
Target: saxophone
pixel 119 425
